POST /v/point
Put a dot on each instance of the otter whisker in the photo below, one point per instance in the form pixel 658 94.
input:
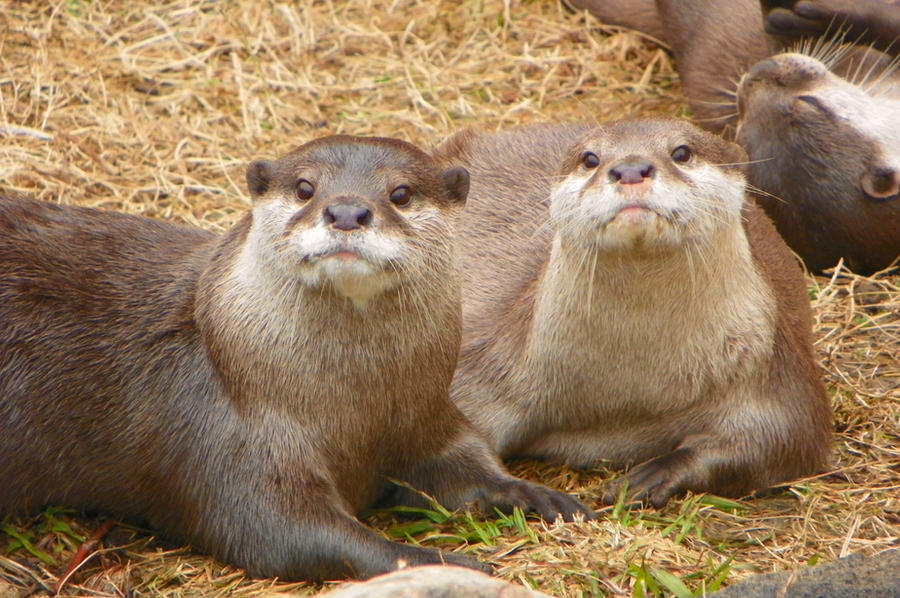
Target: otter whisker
pixel 758 191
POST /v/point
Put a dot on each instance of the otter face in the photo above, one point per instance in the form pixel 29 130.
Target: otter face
pixel 828 152
pixel 357 215
pixel 647 185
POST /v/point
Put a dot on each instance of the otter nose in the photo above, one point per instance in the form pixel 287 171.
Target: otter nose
pixel 347 216
pixel 631 172
pixel 787 70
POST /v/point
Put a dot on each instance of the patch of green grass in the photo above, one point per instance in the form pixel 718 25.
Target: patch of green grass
pixel 50 521
pixel 75 8
pixel 437 524
pixel 656 582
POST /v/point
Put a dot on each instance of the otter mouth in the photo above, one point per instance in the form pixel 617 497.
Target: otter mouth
pixel 637 225
pixel 351 251
pixel 635 216
pixel 340 254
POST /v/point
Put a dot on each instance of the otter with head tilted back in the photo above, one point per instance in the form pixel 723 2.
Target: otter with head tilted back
pixel 633 306
pixel 250 393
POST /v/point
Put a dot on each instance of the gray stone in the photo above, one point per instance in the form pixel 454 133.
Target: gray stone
pixel 855 576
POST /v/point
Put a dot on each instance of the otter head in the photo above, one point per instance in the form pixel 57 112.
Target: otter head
pixel 357 216
pixel 648 185
pixel 828 153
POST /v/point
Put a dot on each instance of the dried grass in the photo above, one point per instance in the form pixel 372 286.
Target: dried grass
pixel 156 108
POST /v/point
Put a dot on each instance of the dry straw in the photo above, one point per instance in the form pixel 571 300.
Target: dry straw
pixel 156 108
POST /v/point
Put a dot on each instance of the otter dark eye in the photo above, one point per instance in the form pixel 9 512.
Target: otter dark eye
pixel 401 195
pixel 682 153
pixel 305 190
pixel 590 160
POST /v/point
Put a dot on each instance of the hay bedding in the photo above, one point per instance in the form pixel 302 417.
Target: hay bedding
pixel 156 108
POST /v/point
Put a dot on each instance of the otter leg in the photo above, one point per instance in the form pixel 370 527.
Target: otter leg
pixel 294 524
pixel 343 547
pixel 467 472
pixel 865 21
pixel 764 438
pixel 639 15
pixel 312 536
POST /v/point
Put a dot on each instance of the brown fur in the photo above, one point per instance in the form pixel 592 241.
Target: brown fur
pixel 829 180
pixel 212 387
pixel 874 22
pixel 828 155
pixel 689 359
pixel 640 15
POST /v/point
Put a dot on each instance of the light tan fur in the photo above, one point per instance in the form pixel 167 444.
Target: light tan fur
pixel 633 324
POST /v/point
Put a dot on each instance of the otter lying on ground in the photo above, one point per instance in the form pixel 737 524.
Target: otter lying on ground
pixel 249 393
pixel 623 301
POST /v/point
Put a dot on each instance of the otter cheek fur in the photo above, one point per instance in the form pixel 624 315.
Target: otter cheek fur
pixel 251 392
pixel 594 207
pixel 633 307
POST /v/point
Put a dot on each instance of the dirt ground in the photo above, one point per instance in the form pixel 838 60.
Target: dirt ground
pixel 156 108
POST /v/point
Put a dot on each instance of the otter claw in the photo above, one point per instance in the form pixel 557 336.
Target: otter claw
pixel 545 502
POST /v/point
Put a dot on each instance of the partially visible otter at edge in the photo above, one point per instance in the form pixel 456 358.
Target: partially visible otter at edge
pixel 250 392
pixel 624 302
pixel 818 123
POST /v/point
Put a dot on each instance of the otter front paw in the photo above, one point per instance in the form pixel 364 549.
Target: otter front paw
pixel 534 498
pixel 659 479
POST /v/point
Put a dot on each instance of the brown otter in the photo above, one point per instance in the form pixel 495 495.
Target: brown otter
pixel 714 43
pixel 824 149
pixel 827 153
pixel 633 306
pixel 250 392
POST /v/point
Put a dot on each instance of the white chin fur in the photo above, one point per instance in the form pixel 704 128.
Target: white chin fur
pixel 651 230
pixel 591 211
pixel 358 279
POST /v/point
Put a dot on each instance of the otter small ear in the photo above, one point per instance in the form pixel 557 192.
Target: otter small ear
pixel 259 176
pixel 456 180
pixel 881 183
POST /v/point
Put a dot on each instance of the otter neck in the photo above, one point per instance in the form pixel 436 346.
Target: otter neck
pixel 270 335
pixel 702 293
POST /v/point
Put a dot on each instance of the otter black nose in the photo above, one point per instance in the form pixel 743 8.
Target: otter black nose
pixel 631 172
pixel 347 216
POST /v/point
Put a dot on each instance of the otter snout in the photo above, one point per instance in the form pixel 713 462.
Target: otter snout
pixel 632 172
pixel 347 216
pixel 787 70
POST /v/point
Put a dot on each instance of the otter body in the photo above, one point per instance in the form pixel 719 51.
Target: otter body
pixel 624 302
pixel 819 126
pixel 249 392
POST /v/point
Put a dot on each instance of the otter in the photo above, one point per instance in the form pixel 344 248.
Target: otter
pixel 827 153
pixel 251 392
pixel 714 43
pixel 625 301
pixel 824 151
